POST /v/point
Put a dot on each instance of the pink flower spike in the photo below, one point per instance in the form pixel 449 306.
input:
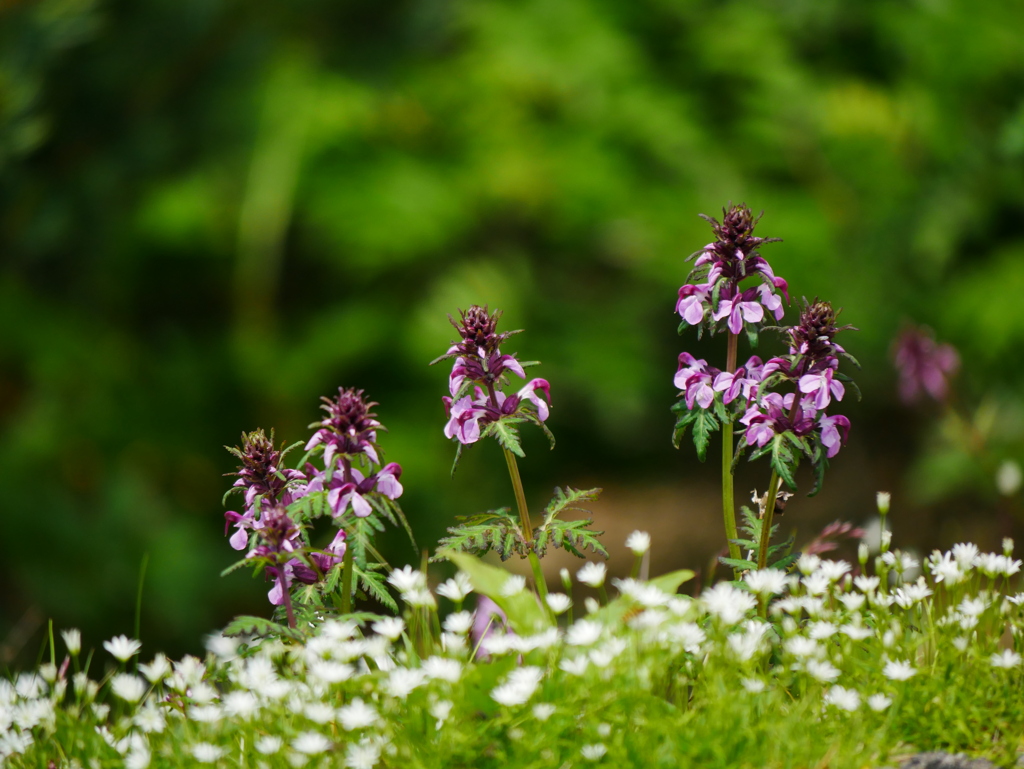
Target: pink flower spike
pixel 830 437
pixel 387 480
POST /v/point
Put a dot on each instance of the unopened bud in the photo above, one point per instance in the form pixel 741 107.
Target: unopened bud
pixel 882 498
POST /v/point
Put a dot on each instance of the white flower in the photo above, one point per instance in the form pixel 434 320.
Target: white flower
pixel 767 581
pixel 642 592
pixel 129 688
pixel 817 583
pixel 222 646
pixel 965 554
pixel 821 630
pixel 639 542
pixel 866 584
pixel 945 568
pixel 357 715
pixel 753 685
pixel 459 623
pixel 157 670
pixel 908 595
pixel 514 584
pixel 822 670
pixel 205 753
pixel 336 630
pixel 882 500
pixel 1007 659
pixel 72 640
pixel 519 687
pixel 138 758
pixel 879 702
pixel 420 597
pixel 240 703
pixel 802 647
pixel 29 686
pixel 559 602
pixel 191 671
pixel 441 710
pixel 149 719
pixel 592 574
pixel 972 607
pixel 318 712
pixel 834 570
pixel 808 563
pixel 362 755
pixel 269 745
pixel 576 666
pixel 311 743
pixel 583 633
pixel 407 579
pixel 593 752
pixel 389 627
pixel 443 669
pixel 728 603
pixel 206 714
pixel 856 631
pixel 457 588
pixel 122 647
pixel 542 711
pixel 1008 478
pixel 960 643
pixel 402 681
pixel 898 671
pixel 853 601
pixel 844 699
pixel 329 672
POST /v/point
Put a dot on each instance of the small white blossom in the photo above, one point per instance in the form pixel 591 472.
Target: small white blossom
pixel 767 581
pixel 402 681
pixel 459 623
pixel 817 583
pixel 311 744
pixel 362 755
pixel 802 647
pixel 965 554
pixel 442 669
pixel 128 687
pixel 727 602
pixel 157 670
pixel 559 603
pixel 834 570
pixel 542 711
pixel 407 579
pixel 519 687
pixel 882 501
pixel 592 574
pixel 389 627
pixel 866 584
pixel 122 647
pixel 269 745
pixel 576 666
pixel 972 607
pixel 753 685
pixel 856 631
pixel 898 671
pixel 822 670
pixel 808 563
pixel 853 601
pixel 844 699
pixel 639 542
pixel 879 702
pixel 357 715
pixel 205 753
pixel 593 752
pixel 1006 659
pixel 583 633
pixel 821 630
pixel 457 588
pixel 440 710
pixel 514 585
pixel 960 643
pixel 72 640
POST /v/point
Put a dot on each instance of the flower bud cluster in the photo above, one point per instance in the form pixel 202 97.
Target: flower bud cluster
pixel 479 371
pixel 719 269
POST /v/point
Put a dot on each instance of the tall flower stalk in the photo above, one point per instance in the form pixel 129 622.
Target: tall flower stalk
pixel 731 290
pixel 478 407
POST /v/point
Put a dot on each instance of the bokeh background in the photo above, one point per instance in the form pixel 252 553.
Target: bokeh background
pixel 212 212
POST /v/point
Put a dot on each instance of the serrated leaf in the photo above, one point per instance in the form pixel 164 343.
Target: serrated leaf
pixel 373 583
pixel 738 564
pixel 703 426
pixel 506 435
pixel 235 566
pixel 260 626
pixel 783 461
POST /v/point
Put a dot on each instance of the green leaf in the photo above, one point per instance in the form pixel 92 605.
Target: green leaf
pixel 506 435
pixel 260 626
pixel 738 564
pixel 496 529
pixel 235 566
pixel 615 611
pixel 784 461
pixel 458 455
pixel 703 426
pixel 523 610
pixel 373 582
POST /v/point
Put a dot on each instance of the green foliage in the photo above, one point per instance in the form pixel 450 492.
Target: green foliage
pixel 496 529
pixel 780 554
pixel 260 626
pixel 703 422
pixel 572 536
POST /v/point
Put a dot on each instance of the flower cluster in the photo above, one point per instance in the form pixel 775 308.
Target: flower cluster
pixel 722 266
pixel 924 365
pixel 478 373
pixel 347 436
pixel 834 651
pixel 812 367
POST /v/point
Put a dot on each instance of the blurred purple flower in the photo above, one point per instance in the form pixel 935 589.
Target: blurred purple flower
pixel 924 366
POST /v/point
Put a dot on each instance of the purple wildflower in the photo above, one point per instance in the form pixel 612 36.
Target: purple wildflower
pixel 724 264
pixel 479 371
pixel 924 365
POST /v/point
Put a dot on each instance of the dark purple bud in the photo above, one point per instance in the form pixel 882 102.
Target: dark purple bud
pixel 258 474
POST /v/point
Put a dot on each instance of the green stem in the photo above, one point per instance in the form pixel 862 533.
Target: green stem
pixel 346 580
pixel 524 523
pixel 766 521
pixel 728 449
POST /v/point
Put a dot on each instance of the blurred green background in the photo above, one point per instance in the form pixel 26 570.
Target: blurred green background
pixel 214 212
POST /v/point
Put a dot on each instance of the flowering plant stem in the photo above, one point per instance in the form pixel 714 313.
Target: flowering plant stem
pixel 524 521
pixel 728 501
pixel 766 522
pixel 346 580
